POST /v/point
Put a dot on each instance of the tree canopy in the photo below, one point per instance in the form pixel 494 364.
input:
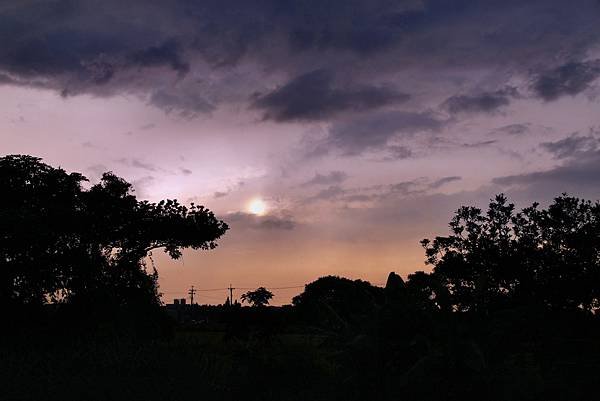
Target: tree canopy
pixel 259 297
pixel 61 242
pixel 548 257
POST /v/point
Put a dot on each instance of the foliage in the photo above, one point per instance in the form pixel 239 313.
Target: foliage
pixel 499 259
pixel 63 243
pixel 338 302
pixel 259 297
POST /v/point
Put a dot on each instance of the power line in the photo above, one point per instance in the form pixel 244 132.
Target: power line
pixel 242 288
pixel 191 293
pixel 271 288
pixel 230 289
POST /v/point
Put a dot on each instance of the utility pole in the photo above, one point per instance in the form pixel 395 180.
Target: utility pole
pixel 231 294
pixel 191 293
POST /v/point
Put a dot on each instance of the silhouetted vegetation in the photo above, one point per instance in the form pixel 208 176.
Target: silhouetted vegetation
pixel 259 297
pixel 507 312
pixel 84 249
pixel 503 259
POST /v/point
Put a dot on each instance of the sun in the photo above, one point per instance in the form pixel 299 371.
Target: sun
pixel 257 206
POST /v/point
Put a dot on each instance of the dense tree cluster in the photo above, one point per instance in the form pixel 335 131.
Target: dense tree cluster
pixel 60 242
pixel 507 312
pixel 548 257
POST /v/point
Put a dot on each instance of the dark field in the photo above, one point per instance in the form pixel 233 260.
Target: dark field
pixel 514 356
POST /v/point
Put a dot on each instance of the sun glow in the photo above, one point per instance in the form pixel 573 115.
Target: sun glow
pixel 257 206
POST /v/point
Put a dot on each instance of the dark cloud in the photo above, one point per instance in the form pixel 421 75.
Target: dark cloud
pixel 405 187
pixel 568 79
pixel 375 130
pixel 580 175
pixel 6 79
pixel 513 129
pixel 479 144
pixel 419 185
pixel 358 198
pixel 331 192
pixel 277 223
pixel 168 53
pixel 105 47
pixel 331 178
pixel 186 104
pixel 110 47
pixel 138 164
pixel 314 96
pixel 267 222
pixel 442 181
pixel 219 194
pixel 377 193
pixel 487 102
pixel 571 146
pixel 397 152
pixel 186 171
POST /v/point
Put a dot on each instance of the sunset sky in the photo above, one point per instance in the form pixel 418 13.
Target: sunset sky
pixel 332 135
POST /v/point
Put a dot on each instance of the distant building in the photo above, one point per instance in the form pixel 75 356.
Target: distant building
pixel 177 310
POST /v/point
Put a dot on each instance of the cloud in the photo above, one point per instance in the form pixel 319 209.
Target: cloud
pixel 6 79
pixel 397 152
pixel 314 96
pixel 487 102
pixel 579 175
pixel 377 193
pixel 268 222
pixel 331 192
pixel 186 104
pixel 571 146
pixel 442 181
pixel 167 53
pixel 229 190
pixel 331 178
pixel 513 129
pixel 219 194
pixel 479 144
pixel 138 164
pixel 277 223
pixel 190 57
pixel 374 131
pixel 568 79
pixel 420 185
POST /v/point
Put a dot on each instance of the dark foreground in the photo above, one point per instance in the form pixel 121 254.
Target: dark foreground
pixel 514 355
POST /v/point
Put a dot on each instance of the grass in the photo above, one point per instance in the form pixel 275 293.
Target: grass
pixel 192 365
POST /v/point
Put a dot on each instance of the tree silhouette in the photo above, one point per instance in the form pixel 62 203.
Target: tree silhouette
pixel 259 297
pixel 336 302
pixel 63 243
pixel 549 257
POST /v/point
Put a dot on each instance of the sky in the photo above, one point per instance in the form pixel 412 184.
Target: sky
pixel 331 135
